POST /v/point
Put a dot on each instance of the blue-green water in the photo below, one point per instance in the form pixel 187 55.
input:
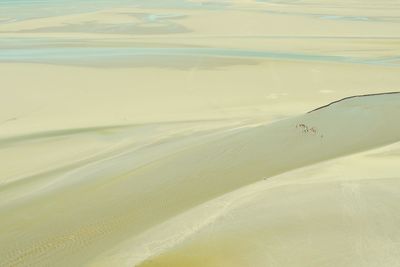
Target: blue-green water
pixel 27 9
pixel 92 56
pixel 166 20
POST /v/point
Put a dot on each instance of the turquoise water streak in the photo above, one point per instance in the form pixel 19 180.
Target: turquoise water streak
pixel 69 40
pixel 27 9
pixel 89 56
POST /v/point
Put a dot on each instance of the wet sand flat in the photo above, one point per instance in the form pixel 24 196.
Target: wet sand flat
pixel 179 133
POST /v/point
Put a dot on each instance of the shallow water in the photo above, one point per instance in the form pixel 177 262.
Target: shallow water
pixel 103 57
pixel 159 23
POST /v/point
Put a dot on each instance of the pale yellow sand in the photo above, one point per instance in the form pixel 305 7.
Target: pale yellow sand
pixel 78 97
pixel 202 157
pixel 338 213
pixel 139 187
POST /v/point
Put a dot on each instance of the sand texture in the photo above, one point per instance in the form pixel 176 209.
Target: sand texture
pixel 200 133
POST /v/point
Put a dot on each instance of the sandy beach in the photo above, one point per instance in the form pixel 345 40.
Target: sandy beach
pixel 199 133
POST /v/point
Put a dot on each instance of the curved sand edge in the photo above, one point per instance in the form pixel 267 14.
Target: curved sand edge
pixel 332 211
pixel 351 97
pixel 341 125
pixel 101 205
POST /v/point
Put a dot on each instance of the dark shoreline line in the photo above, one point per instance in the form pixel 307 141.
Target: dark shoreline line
pixel 349 97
